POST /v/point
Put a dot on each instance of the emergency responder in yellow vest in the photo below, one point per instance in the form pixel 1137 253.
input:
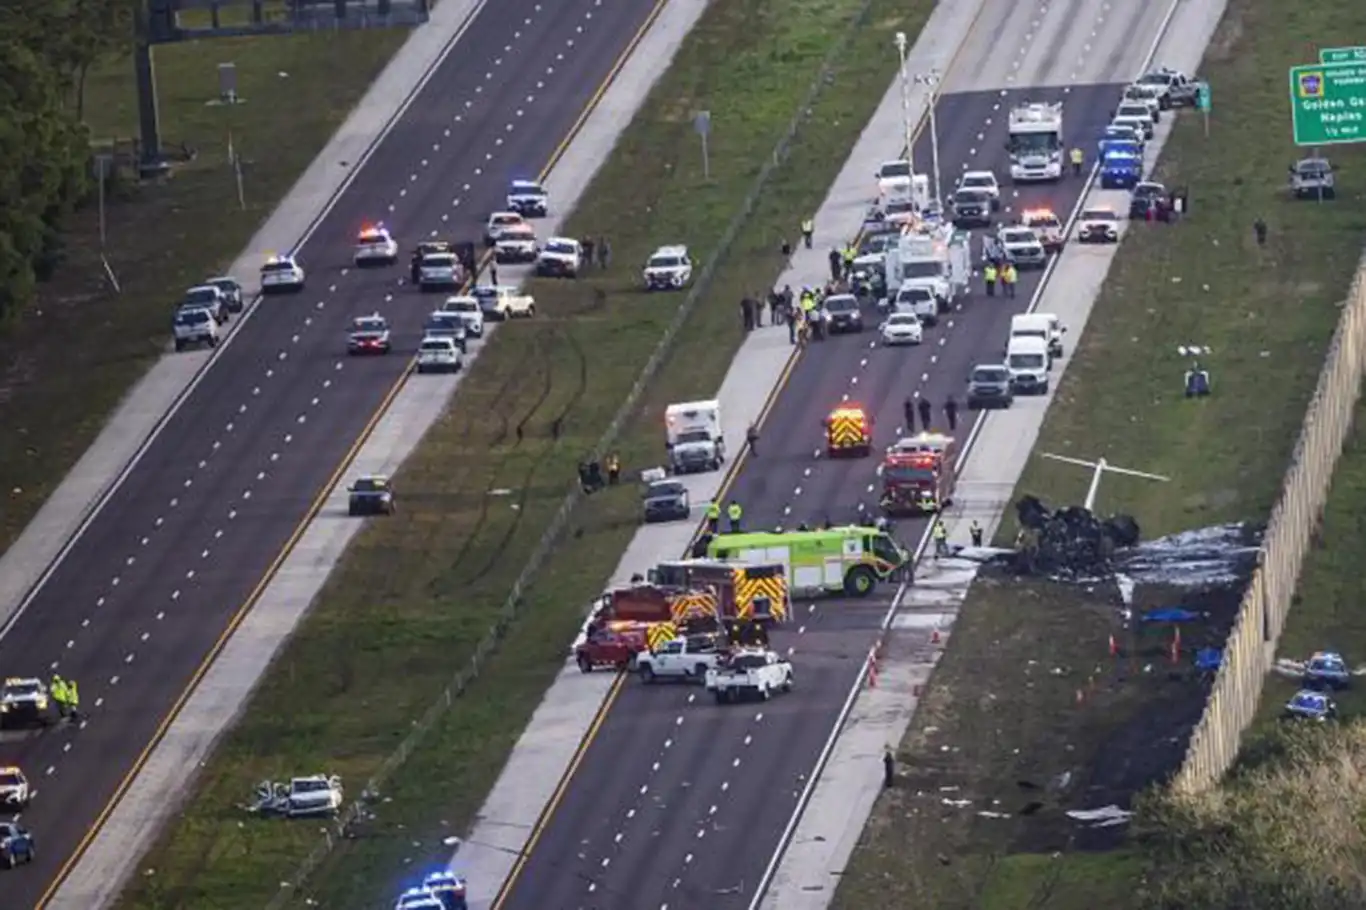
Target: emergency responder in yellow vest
pixel 57 691
pixel 808 232
pixel 73 699
pixel 733 515
pixel 1008 278
pixel 713 517
pixel 989 274
pixel 1077 160
pixel 613 469
pixel 928 503
pixel 850 254
pixel 941 538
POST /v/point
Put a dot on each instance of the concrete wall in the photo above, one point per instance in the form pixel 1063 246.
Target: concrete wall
pixel 1251 645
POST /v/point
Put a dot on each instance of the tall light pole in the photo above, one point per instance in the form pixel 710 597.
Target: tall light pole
pixel 931 81
pixel 905 98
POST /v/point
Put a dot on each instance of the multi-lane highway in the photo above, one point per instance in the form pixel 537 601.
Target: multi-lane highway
pixel 182 548
pixel 681 803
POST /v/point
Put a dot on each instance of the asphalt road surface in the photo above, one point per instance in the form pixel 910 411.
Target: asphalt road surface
pixel 139 602
pixel 680 803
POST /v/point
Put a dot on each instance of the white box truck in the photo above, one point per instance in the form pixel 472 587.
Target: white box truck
pixel 693 436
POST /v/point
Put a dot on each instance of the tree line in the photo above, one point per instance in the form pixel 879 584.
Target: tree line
pixel 46 49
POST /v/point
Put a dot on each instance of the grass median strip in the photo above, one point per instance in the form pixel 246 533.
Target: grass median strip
pixel 67 364
pixel 1027 715
pixel 418 591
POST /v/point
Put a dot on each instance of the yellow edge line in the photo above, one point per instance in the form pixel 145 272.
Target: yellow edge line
pixel 240 615
pixel 543 821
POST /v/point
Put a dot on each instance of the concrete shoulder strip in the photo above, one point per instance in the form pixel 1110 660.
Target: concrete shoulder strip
pixel 149 401
pixel 165 780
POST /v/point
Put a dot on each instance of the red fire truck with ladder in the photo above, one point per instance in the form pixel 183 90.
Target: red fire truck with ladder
pixel 918 475
pixel 690 596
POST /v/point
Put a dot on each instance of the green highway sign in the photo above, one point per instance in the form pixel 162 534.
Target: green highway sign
pixel 1330 55
pixel 1328 103
pixel 1202 97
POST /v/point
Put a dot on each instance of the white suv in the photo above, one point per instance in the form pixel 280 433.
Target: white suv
pixel 438 355
pixel 669 267
pixel 469 312
pixel 193 326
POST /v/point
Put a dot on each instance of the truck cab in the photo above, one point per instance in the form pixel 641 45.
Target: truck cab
pixel 1029 362
pixel 693 436
pixel 1046 326
pixel 685 659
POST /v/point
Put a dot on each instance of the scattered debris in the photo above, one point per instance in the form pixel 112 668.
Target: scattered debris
pixel 303 797
pixel 1070 541
pixel 1104 817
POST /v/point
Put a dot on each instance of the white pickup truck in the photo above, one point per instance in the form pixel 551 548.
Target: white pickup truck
pixel 685 659
pixel 750 673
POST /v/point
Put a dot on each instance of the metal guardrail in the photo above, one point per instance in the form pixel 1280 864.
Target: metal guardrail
pixel 512 606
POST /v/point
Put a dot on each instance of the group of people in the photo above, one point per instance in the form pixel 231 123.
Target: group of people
pixel 591 473
pixel 921 406
pixel 66 695
pixel 1000 270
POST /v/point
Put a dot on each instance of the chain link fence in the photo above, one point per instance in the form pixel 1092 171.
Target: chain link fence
pixel 513 605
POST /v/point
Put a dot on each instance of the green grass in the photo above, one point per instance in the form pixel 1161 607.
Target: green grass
pixel 417 591
pixel 65 366
pixel 1004 704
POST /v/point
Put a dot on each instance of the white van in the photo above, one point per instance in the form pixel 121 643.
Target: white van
pixel 1028 361
pixel 1039 325
pixel 918 298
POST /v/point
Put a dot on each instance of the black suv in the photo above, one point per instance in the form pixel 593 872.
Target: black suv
pixel 971 208
pixel 845 315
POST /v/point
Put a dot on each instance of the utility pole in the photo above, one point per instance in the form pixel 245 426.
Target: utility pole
pixel 900 41
pixel 931 81
pixel 1098 468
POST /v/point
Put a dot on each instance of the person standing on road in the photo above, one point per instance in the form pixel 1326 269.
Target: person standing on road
pixel 752 437
pixel 747 313
pixel 941 538
pixel 989 275
pixel 951 413
pixel 586 244
pixel 808 232
pixel 850 254
pixel 604 253
pixel 908 411
pixel 975 532
pixel 733 516
pixel 888 768
pixel 793 327
pixel 73 699
pixel 1077 160
pixel 1009 277
pixel 613 469
pixel 493 274
pixel 57 690
pixel 836 264
pixel 926 413
pixel 713 517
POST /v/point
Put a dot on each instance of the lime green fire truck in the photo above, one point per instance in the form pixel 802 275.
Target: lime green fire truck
pixel 850 560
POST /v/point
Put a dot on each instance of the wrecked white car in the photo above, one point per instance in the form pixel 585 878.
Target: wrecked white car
pixel 303 797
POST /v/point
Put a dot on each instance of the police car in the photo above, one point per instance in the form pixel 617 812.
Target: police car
pixel 375 246
pixel 1023 247
pixel 1046 225
pixel 528 199
pixel 448 888
pixel 439 271
pixel 1327 670
pixel 369 335
pixel 281 274
pixel 561 257
pixel 499 223
pixel 1098 225
pixel 16 845
pixel 516 244
pixel 1308 704
pixel 25 701
pixel 14 790
pixel 1119 133
pixel 418 898
pixel 668 267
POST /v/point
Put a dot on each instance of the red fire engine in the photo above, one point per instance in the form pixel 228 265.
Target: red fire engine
pixel 917 475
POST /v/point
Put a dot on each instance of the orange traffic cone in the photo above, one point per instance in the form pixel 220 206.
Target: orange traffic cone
pixel 872 668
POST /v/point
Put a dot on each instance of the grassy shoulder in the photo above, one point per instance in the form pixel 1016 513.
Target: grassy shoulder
pixel 1027 715
pixel 418 591
pixel 68 362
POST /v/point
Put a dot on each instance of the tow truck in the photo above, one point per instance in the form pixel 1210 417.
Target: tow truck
pixel 849 431
pixel 750 673
pixel 686 659
pixel 1047 226
pixel 917 475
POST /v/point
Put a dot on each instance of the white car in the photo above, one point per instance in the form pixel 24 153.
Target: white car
pixel 668 268
pixel 469 311
pixel 419 899
pixel 1047 225
pixel 504 302
pixel 750 673
pixel 1098 225
pixel 561 257
pixel 528 199
pixel 375 246
pixel 1023 246
pixel 902 328
pixel 1151 95
pixel 438 271
pixel 899 211
pixel 894 177
pixel 516 244
pixel 982 182
pixel 1137 122
pixel 281 273
pixel 438 355
pixel 499 222
pixel 193 326
pixel 317 794
pixel 14 790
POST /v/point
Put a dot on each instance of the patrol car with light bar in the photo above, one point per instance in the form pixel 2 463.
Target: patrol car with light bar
pixel 281 274
pixel 375 246
pixel 1047 226
pixel 528 199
